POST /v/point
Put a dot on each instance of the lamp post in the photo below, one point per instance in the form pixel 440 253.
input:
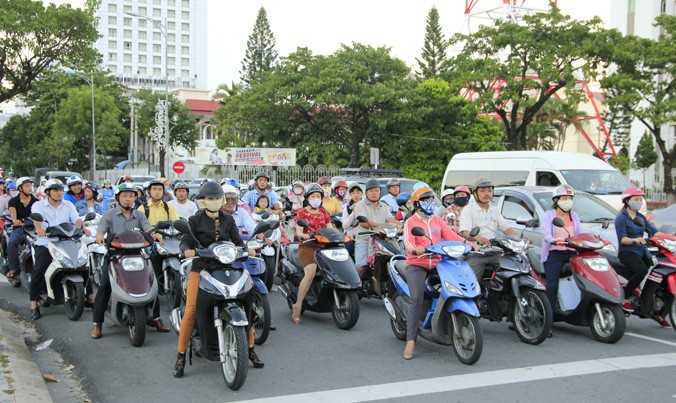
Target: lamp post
pixel 90 81
pixel 162 26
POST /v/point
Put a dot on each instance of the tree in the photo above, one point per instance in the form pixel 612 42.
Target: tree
pixel 548 129
pixel 643 84
pixel 621 161
pixel 535 60
pixel 645 155
pixel 434 48
pixel 260 49
pixel 34 37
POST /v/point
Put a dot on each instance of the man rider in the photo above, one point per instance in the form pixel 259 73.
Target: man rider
pixel 184 207
pixel 481 213
pixel 19 208
pixel 54 211
pixel 119 219
pixel 260 188
pixel 393 190
pixel 75 192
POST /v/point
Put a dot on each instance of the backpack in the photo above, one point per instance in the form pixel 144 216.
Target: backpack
pixel 146 208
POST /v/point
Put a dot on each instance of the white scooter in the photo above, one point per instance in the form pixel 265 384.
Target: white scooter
pixel 95 251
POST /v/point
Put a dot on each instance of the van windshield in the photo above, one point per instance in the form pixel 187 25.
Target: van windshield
pixel 596 181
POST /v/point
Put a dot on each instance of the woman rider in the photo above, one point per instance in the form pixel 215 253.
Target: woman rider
pixel 318 219
pixel 208 225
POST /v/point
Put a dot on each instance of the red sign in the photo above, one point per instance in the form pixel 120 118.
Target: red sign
pixel 179 167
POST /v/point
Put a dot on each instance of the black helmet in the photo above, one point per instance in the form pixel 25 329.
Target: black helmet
pixel 393 182
pixel 372 183
pixel 93 187
pixel 155 182
pixel 483 183
pixel 262 175
pixel 211 190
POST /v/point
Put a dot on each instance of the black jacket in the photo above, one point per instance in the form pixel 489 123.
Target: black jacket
pixel 203 228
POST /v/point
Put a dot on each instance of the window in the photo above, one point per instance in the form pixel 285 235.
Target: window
pixel 112 8
pixel 112 44
pixel 172 2
pixel 112 57
pixel 157 36
pixel 127 22
pixel 157 48
pixel 127 58
pixel 171 49
pixel 171 72
pixel 157 2
pixel 185 26
pixel 157 60
pixel 157 12
pixel 142 71
pixel 112 68
pixel 142 59
pixel 546 179
pixel 127 9
pixel 185 50
pixel 499 178
pixel 127 33
pixel 185 62
pixel 171 25
pixel 127 46
pixel 112 32
pixel 142 23
pixel 142 47
pixel 514 207
pixel 185 3
pixel 185 15
pixel 185 38
pixel 142 11
pixel 171 14
pixel 185 73
pixel 171 60
pixel 112 20
pixel 127 69
pixel 171 38
pixel 157 71
pixel 142 35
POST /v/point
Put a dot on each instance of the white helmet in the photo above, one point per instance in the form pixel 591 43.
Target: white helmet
pixel 229 189
pixel 73 179
pixel 563 190
pixel 447 192
pixel 53 184
pixel 23 180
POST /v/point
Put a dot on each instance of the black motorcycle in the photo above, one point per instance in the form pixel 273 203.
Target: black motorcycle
pixel 170 252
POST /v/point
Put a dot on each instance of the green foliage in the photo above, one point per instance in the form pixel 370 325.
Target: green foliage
pixel 536 59
pixel 621 161
pixel 182 125
pixel 548 129
pixel 645 155
pixel 434 48
pixel 260 49
pixel 35 37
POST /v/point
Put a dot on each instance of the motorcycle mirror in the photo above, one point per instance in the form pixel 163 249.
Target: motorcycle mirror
pixel 557 222
pixel 264 215
pixel 533 223
pixel 182 227
pixel 302 223
pixel 260 228
pixel 474 232
pixel 37 217
pixel 163 225
pixel 363 219
pixel 606 224
pixel 274 225
pixel 89 216
pixel 639 221
pixel 417 231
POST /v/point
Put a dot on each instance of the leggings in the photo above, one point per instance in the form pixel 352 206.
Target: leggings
pixel 415 278
pixel 553 266
pixel 190 313
pixel 38 283
pixel 634 270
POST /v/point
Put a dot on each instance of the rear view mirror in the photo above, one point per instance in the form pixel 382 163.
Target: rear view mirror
pixel 637 220
pixel 182 226
pixel 557 222
pixel 264 215
pixel 274 225
pixel 606 223
pixel 362 219
pixel 89 217
pixel 260 228
pixel 163 225
pixel 302 223
pixel 37 217
pixel 532 223
pixel 417 231
pixel 474 232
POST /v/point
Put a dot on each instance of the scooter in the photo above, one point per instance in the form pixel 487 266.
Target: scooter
pixel 96 251
pixel 7 230
pixel 334 288
pixel 450 315
pixel 383 245
pixel 223 299
pixel 590 293
pixel 657 292
pixel 68 273
pixel 170 251
pixel 515 292
pixel 270 254
pixel 133 283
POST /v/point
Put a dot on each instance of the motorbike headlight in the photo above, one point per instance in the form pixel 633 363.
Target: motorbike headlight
pixel 391 232
pixel 668 244
pixel 226 253
pixel 60 256
pixel 454 251
pixel 516 246
pixel 597 263
pixel 133 263
pixel 82 260
pixel 161 250
pixel 339 255
pixel 452 289
pixel 254 244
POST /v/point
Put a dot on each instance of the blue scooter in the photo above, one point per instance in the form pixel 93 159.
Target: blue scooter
pixel 451 316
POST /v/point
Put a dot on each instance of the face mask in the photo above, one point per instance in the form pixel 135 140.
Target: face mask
pixel 461 201
pixel 315 203
pixel 341 193
pixel 565 205
pixel 427 207
pixel 213 205
pixel 298 191
pixel 327 192
pixel 447 202
pixel 635 205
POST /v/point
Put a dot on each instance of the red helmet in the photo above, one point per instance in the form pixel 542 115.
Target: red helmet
pixel 461 188
pixel 632 191
pixel 324 180
pixel 339 184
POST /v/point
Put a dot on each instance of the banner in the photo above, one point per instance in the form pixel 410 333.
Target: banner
pixel 283 157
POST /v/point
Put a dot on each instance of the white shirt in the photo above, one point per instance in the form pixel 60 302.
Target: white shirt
pixel 64 212
pixel 489 221
pixel 185 210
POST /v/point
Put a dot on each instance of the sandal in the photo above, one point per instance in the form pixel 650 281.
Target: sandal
pixel 659 319
pixel 11 274
pixel 295 315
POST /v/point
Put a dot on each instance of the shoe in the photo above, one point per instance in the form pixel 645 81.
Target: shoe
pixel 179 366
pixel 157 324
pixel 659 319
pixel 408 351
pixel 35 313
pixel 47 302
pixel 257 363
pixel 295 315
pixel 627 306
pixel 89 305
pixel 97 331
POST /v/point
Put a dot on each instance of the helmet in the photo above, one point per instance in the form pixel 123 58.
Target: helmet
pixel 124 187
pixel 447 192
pixel 145 185
pixel 163 179
pixel 106 181
pixel 127 178
pixel 313 188
pixel 262 175
pixel 11 185
pixel 403 198
pixel 483 183
pixel 631 191
pixel 563 190
pixel 421 193
pixel 93 187
pixel 420 185
pixel 298 182
pixel 53 184
pixel 324 180
pixel 139 188
pixel 372 183
pixel 155 182
pixel 181 185
pixel 234 183
pixel 462 188
pixel 224 181
pixel 340 184
pixel 210 189
pixel 73 180
pixel 354 185
pixel 230 190
pixel 23 180
pixel 393 182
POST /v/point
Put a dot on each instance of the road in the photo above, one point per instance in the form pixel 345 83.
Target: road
pixel 316 361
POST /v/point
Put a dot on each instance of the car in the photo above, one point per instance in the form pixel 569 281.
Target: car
pixel 665 219
pixel 200 181
pixel 137 179
pixel 521 202
pixel 193 190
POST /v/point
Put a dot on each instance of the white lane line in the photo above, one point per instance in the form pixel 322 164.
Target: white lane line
pixel 482 379
pixel 640 336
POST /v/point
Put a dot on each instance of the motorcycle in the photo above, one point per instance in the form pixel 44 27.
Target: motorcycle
pixel 132 281
pixel 7 230
pixel 96 251
pixel 223 298
pixel 514 291
pixel 170 251
pixel 383 245
pixel 657 292
pixel 590 293
pixel 68 273
pixel 334 288
pixel 450 315
pixel 270 254
pixel 27 254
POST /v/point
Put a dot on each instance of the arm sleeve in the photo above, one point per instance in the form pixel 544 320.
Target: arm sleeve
pixel 347 219
pixel 187 241
pixel 173 215
pixel 576 223
pixel 409 239
pixel 234 233
pixel 338 209
pixel 546 229
pixel 465 220
pixel 145 224
pixel 620 228
pixel 447 233
pixel 73 216
pixel 502 224
pixel 104 223
pixel 327 217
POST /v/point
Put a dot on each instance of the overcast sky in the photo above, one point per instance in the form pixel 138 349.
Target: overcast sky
pixel 323 25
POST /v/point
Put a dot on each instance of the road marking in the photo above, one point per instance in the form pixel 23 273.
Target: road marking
pixel 478 380
pixel 640 336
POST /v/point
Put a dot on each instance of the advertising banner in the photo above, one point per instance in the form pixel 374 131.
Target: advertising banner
pixel 283 157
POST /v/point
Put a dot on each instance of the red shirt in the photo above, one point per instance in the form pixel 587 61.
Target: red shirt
pixel 317 221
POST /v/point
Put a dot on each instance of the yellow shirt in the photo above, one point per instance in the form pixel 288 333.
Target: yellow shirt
pixel 158 213
pixel 332 206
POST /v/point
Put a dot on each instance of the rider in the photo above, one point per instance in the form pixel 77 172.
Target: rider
pixel 296 196
pixel 108 194
pixel 89 203
pixel 119 219
pixel 75 192
pixel 340 190
pixel 318 219
pixel 240 203
pixel 417 266
pixel 481 213
pixel 202 227
pixel 330 204
pixel 40 191
pixel 54 211
pixel 446 201
pixel 393 189
pixel 452 213
pixel 633 253
pixel 4 196
pixel 260 188
pixel 184 207
pixel 19 208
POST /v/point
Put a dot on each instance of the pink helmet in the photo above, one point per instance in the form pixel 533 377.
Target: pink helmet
pixel 632 191
pixel 563 190
pixel 462 188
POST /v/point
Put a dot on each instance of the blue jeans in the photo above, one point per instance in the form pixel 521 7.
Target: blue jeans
pixel 15 240
pixel 553 267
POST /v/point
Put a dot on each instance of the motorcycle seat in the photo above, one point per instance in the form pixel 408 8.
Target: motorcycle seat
pixel 535 262
pixel 292 255
pixel 400 267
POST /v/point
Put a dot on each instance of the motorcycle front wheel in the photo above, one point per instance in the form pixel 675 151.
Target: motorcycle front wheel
pixel 74 300
pixel 234 355
pixel 615 322
pixel 671 308
pixel 137 326
pixel 262 318
pixel 346 313
pixel 534 325
pixel 469 342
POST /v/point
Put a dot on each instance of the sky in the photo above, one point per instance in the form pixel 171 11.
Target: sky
pixel 322 26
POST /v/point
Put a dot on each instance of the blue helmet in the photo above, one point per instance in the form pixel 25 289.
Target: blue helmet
pixel 233 182
pixel 11 185
pixel 403 198
pixel 420 185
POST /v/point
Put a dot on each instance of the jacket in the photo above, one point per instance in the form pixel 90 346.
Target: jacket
pixel 203 228
pixel 625 227
pixel 436 229
pixel 547 229
pixel 82 207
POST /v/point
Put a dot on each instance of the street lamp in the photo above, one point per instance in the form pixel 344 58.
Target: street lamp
pixel 162 26
pixel 90 81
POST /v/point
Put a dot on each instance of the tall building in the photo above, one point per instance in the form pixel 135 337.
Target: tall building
pixel 133 47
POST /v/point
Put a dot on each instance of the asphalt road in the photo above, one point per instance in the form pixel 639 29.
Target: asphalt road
pixel 318 362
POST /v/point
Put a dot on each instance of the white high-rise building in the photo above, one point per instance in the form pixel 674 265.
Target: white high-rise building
pixel 133 47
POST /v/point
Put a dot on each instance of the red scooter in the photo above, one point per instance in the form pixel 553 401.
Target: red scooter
pixel 590 293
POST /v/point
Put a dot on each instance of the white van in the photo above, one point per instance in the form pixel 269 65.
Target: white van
pixel 539 168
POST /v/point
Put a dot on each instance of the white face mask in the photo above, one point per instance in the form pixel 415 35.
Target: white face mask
pixel 315 203
pixel 565 205
pixel 298 190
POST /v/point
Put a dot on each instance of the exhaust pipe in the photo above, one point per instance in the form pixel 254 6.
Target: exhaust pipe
pixel 175 318
pixel 390 308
